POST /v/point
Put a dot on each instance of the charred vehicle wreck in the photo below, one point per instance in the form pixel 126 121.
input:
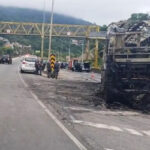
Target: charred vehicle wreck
pixel 126 68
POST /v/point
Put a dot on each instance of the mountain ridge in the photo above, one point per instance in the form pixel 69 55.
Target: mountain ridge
pixel 16 14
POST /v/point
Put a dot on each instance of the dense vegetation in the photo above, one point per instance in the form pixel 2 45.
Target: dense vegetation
pixel 137 17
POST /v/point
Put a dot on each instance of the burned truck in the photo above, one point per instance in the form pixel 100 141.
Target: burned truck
pixel 126 68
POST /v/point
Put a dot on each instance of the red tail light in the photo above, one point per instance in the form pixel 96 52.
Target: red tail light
pixel 23 62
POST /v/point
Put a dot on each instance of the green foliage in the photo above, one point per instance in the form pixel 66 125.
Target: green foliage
pixel 103 28
pixel 1 43
pixel 136 17
pixel 6 50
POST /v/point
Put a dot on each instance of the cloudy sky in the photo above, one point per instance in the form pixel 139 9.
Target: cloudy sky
pixel 96 11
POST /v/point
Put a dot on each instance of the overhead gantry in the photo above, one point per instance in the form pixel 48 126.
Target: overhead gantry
pixel 59 30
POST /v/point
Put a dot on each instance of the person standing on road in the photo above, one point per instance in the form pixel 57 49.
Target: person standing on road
pixel 40 66
pixel 43 65
pixel 37 66
pixel 48 69
pixel 56 69
pixel 10 59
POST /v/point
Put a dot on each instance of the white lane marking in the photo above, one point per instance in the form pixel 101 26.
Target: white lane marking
pixel 101 126
pixel 146 133
pixel 114 113
pixel 114 128
pixel 108 149
pixel 72 117
pixel 78 108
pixel 21 78
pixel 134 132
pixel 50 114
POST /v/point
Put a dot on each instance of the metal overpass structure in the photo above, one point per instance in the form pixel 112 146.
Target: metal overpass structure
pixel 59 30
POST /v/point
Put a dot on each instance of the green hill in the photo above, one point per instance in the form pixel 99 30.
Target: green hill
pixel 33 15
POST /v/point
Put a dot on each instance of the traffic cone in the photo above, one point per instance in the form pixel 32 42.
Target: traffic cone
pixel 92 76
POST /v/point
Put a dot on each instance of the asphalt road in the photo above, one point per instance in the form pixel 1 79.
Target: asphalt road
pixel 101 128
pixel 24 124
pixel 112 130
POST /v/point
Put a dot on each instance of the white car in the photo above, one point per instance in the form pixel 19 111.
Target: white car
pixel 28 64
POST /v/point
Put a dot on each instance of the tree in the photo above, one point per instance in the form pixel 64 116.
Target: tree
pixel 103 28
pixel 139 17
pixel 1 43
pixel 7 50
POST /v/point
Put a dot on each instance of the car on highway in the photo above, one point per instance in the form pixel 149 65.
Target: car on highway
pixel 82 67
pixel 6 59
pixel 28 64
pixel 86 66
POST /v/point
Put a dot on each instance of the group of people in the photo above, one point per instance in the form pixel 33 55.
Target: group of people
pixel 53 72
pixel 40 66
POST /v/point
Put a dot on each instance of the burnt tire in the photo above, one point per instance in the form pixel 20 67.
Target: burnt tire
pixel 145 103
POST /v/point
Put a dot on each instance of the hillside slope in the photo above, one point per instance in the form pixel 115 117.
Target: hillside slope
pixel 32 15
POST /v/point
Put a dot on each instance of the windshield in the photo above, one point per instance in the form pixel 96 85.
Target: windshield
pixel 30 59
pixel 5 56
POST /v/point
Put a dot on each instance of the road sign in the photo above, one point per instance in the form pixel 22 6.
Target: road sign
pixel 52 61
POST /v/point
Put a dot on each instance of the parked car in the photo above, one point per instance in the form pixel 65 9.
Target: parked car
pixel 80 67
pixel 6 59
pixel 86 67
pixel 28 64
pixel 63 65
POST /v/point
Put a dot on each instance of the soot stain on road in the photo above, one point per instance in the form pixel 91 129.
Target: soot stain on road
pixel 63 91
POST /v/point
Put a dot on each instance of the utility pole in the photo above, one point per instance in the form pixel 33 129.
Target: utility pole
pixel 87 49
pixel 96 54
pixel 43 32
pixel 81 43
pixel 69 49
pixel 51 30
pixel 96 51
pixel 58 55
pixel 82 51
pixel 61 49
